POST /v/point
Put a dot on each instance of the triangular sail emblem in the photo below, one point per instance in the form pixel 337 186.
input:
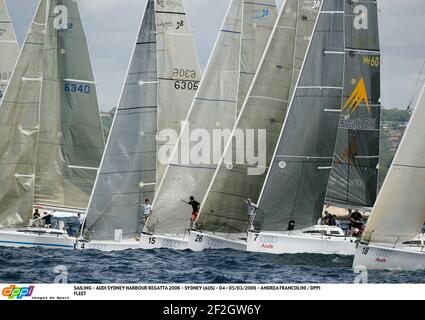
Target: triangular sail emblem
pixel 358 96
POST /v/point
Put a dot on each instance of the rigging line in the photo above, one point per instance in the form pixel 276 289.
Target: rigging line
pixel 415 89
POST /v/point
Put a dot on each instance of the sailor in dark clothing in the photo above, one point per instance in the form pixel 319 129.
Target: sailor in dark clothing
pixel 356 219
pixel 195 210
pixel 329 219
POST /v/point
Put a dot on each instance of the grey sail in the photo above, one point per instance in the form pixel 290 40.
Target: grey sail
pixel 9 48
pixel 224 209
pixel 130 155
pixel 297 182
pixel 19 126
pixel 70 141
pixel 156 96
pixel 236 56
pixel 51 126
pixel 354 178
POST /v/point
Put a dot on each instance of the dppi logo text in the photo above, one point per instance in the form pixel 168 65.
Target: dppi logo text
pixel 14 292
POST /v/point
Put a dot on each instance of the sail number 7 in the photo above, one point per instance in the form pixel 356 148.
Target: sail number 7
pixel 78 88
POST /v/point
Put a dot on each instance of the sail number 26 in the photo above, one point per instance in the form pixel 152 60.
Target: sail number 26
pixel 79 88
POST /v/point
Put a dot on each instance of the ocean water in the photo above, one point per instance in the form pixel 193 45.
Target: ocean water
pixel 36 265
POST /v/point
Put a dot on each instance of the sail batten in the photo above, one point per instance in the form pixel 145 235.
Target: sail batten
pixel 235 58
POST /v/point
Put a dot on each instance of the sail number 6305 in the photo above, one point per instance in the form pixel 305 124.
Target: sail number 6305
pixel 186 85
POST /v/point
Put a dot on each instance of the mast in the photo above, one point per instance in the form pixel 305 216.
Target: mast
pixel 235 58
pixel 224 209
pixel 9 48
pixel 353 181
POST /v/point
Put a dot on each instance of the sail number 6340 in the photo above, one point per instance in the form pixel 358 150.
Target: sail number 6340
pixel 79 88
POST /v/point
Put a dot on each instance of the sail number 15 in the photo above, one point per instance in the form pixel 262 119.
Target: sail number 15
pixel 79 88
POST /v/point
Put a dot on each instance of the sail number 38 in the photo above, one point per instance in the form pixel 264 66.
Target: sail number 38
pixel 77 88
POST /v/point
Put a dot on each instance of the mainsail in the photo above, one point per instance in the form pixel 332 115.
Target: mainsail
pixel 52 137
pixel 339 81
pixel 162 80
pixel 353 181
pixel 9 48
pixel 399 212
pixel 231 69
pixel 224 209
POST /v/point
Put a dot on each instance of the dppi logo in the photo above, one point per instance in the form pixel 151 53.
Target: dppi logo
pixel 358 96
pixel 13 292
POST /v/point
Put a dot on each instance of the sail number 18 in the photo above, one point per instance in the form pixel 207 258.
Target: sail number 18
pixel 79 88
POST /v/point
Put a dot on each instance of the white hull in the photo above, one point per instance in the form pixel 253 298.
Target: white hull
pixel 36 237
pixel 199 241
pixel 286 243
pixel 146 242
pixel 376 257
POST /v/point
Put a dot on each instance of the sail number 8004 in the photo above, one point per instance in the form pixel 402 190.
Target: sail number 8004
pixel 79 88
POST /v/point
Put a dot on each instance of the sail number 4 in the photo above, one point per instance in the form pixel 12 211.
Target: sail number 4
pixel 78 88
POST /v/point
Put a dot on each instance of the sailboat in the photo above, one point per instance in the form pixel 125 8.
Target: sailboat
pixel 224 221
pixel 52 138
pixel 391 239
pixel 235 58
pixel 9 48
pixel 162 80
pixel 336 103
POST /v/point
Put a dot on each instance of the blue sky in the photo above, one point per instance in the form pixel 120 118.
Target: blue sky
pixel 112 26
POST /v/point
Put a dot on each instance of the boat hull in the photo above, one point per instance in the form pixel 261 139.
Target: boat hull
pixel 285 243
pixel 37 237
pixel 199 241
pixel 376 257
pixel 146 242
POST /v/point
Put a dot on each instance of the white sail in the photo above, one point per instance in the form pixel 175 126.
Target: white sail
pixel 161 83
pixel 52 137
pixel 9 48
pixel 179 73
pixel 231 69
pixel 399 212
